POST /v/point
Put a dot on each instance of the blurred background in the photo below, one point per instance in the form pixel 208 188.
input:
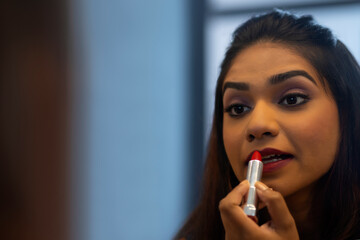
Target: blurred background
pixel 106 108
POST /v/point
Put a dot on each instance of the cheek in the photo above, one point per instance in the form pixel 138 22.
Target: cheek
pixel 323 129
pixel 316 137
pixel 232 141
pixel 316 131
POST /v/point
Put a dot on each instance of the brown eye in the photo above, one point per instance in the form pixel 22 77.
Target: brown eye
pixel 294 99
pixel 291 100
pixel 236 110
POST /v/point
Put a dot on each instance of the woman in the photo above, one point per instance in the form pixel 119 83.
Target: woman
pixel 290 90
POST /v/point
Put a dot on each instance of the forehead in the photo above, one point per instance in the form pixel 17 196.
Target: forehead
pixel 259 61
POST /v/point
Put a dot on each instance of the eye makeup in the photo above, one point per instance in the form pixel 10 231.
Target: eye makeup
pixel 296 85
pixel 293 95
pixel 290 94
pixel 238 97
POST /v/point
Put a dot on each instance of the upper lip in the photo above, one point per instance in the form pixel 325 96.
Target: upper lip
pixel 266 152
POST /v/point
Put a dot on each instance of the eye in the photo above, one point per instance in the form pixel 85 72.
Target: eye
pixel 236 110
pixel 294 99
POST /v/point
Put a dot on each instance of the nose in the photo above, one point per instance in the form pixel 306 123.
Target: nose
pixel 262 123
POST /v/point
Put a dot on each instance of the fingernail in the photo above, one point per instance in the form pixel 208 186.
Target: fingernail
pixel 261 186
pixel 244 182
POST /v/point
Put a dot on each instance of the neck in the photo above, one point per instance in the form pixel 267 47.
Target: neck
pixel 299 205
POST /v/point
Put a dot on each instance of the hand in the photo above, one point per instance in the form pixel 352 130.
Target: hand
pixel 239 226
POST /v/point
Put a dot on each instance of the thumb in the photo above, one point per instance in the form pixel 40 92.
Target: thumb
pixel 281 218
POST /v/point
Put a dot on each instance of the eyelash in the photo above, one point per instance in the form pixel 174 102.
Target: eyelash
pixel 232 107
pixel 305 99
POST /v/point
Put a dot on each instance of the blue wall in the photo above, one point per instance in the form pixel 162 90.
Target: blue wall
pixel 135 131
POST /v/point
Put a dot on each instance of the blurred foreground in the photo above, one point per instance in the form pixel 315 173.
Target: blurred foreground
pixel 33 116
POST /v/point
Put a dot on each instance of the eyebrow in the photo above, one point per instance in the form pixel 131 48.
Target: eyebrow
pixel 279 78
pixel 275 79
pixel 236 85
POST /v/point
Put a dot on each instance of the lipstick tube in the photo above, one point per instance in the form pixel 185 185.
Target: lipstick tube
pixel 254 173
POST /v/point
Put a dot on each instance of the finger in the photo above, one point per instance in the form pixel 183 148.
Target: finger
pixel 277 208
pixel 261 204
pixel 234 198
pixel 231 213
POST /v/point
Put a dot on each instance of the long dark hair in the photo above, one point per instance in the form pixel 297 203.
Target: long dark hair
pixel 337 203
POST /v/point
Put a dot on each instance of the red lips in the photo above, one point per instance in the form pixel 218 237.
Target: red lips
pixel 266 152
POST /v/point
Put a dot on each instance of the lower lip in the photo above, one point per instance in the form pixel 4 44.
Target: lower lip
pixel 273 166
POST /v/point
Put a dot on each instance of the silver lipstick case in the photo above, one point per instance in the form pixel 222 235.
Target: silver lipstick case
pixel 253 175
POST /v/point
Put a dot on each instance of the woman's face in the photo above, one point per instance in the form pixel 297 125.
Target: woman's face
pixel 274 102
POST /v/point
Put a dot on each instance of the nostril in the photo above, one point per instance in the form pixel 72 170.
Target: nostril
pixel 251 137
